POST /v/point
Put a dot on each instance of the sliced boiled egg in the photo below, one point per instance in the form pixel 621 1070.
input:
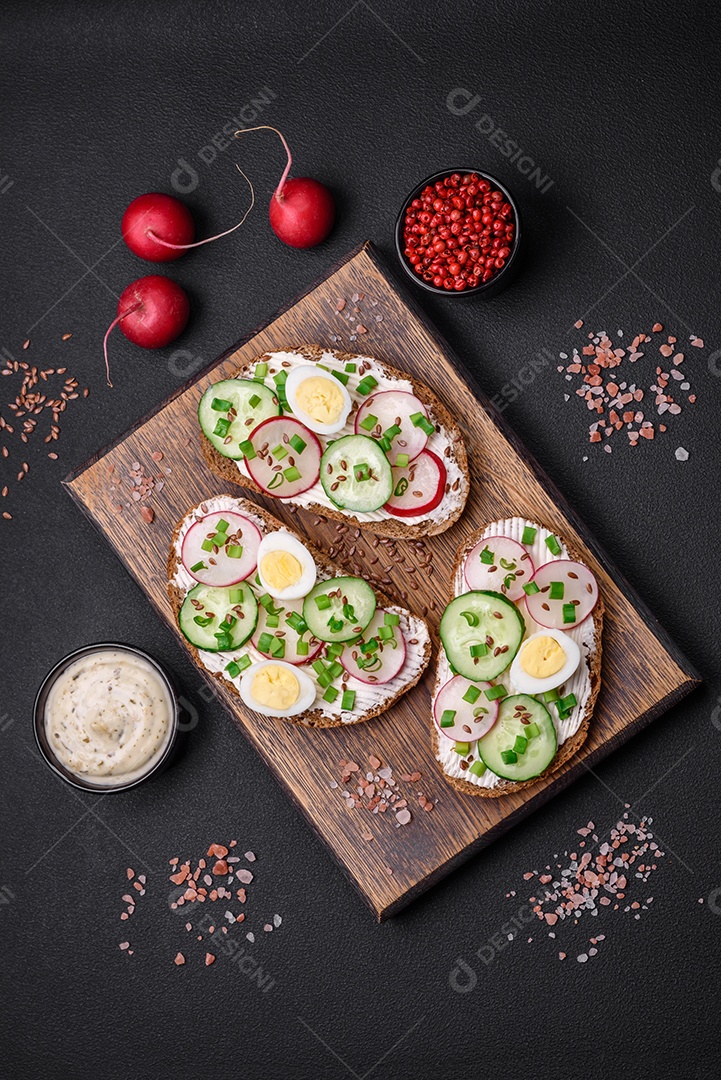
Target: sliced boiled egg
pixel 318 399
pixel 544 661
pixel 275 688
pixel 285 567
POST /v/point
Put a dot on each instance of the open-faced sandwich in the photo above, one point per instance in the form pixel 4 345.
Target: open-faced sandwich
pixel 341 435
pixel 282 625
pixel 519 667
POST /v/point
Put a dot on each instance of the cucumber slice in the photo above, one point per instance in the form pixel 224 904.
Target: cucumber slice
pixel 483 622
pixel 541 748
pixel 356 474
pixel 347 603
pixel 205 600
pixel 252 401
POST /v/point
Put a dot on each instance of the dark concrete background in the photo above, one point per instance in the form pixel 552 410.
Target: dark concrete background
pixel 618 106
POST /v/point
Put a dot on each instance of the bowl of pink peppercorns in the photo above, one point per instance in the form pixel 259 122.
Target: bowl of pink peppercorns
pixel 459 234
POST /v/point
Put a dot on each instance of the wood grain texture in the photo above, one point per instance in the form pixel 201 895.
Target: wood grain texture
pixel 643 672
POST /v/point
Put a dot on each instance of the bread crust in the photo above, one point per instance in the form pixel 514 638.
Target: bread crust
pixel 227 469
pixel 572 745
pixel 315 718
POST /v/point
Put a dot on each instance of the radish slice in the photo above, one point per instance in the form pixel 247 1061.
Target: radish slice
pixel 472 719
pixel 289 635
pixel 580 590
pixel 392 408
pixel 419 488
pixel 276 461
pixel 384 663
pixel 510 569
pixel 215 566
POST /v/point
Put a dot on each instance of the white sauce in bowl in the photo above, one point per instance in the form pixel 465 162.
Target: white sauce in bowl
pixel 108 717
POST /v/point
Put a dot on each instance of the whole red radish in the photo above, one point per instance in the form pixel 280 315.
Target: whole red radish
pixel 160 227
pixel 302 210
pixel 152 312
pixel 154 222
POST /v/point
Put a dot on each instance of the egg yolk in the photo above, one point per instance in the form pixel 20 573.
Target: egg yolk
pixel 321 399
pixel 275 687
pixel 542 657
pixel 280 569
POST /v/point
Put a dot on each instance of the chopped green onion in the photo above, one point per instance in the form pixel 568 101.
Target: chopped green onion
pixel 301 647
pixel 402 461
pixel 335 670
pixel 203 620
pixel 247 450
pixel 567 703
pixel 197 566
pixel 472 695
pixel 351 368
pixel 291 474
pixel 361 472
pixel 550 696
pixel 556 590
pixel 392 432
pixel 323 602
pixel 391 618
pixel 207 544
pixel 261 370
pixel 277 480
pixel 481 649
pixel 319 666
pixel 264 642
pixel 297 443
pixel 553 545
pixel 521 744
pixel 418 419
pixel 487 557
pixel 234 551
pixel 221 428
pixel 348 612
pixel 509 757
pixel 348 700
pixel 266 601
pixel 279 452
pixel 385 444
pixel 335 625
pixel 254 401
pixel 219 539
pixel 368 422
pixel 477 768
pixel 232 669
pixel 368 646
pixel 219 404
pixel 236 595
pixel 341 377
pixel 334 649
pixel 229 622
pixel 531 730
pixel 272 621
pixel 385 633
pixel 325 679
pixel 448 718
pixel 480 711
pixel 462 748
pixel 330 695
pixel 296 622
pixel 367 384
pixel 495 692
pixel 569 613
pixel 224 642
pixel 277 648
pixel 529 535
pixel 530 588
pixel 470 617
pixel 281 378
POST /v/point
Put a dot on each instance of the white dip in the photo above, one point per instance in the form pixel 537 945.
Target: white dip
pixel 108 717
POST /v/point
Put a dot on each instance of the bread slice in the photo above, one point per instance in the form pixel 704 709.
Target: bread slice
pixel 316 718
pixel 454 501
pixel 571 746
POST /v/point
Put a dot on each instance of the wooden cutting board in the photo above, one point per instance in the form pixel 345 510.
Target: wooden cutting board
pixel 643 672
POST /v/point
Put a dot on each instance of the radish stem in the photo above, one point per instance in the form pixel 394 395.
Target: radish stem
pixel 199 243
pixel 112 326
pixel 266 127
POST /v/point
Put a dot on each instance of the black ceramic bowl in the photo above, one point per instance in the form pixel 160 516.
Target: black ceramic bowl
pixel 500 280
pixel 39 720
